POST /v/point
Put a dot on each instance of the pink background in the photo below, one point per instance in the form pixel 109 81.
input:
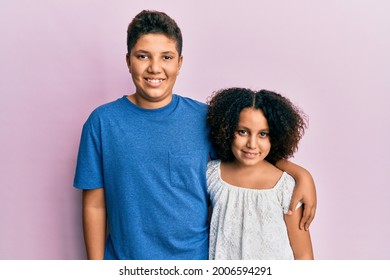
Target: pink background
pixel 61 59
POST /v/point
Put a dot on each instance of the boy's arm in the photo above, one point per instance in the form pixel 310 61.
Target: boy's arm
pixel 94 223
pixel 299 239
pixel 304 191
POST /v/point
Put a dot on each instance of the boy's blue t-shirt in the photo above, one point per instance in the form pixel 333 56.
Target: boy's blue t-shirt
pixel 152 166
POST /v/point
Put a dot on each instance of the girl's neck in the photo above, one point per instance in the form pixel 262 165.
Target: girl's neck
pixel 260 176
pixel 239 166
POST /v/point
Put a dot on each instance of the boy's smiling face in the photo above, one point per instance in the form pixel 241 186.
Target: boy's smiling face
pixel 154 64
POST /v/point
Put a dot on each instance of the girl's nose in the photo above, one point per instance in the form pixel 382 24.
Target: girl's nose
pixel 251 144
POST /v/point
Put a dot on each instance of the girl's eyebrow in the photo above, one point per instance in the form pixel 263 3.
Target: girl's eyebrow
pixel 246 128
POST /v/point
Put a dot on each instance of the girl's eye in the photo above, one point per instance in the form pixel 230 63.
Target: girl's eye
pixel 263 134
pixel 242 132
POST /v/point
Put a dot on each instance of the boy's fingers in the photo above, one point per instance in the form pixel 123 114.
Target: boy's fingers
pixel 293 206
pixel 307 217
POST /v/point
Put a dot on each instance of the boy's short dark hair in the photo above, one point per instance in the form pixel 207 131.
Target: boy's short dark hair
pixel 286 121
pixel 155 22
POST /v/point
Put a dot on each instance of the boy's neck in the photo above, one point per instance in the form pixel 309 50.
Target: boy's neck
pixel 146 104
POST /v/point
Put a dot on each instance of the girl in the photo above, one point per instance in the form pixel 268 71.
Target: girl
pixel 251 131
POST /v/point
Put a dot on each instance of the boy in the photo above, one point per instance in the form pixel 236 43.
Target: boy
pixel 142 159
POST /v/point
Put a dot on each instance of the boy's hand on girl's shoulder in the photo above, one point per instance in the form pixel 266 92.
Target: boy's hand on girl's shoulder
pixel 309 201
pixel 307 216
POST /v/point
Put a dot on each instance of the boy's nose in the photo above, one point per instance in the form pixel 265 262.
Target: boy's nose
pixel 155 66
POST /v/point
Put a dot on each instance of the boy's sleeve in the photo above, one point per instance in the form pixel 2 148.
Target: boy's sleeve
pixel 89 171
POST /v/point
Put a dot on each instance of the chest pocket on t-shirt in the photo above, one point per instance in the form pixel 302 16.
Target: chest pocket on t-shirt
pixel 185 170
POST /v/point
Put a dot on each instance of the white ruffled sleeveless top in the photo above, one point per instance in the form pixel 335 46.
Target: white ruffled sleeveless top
pixel 248 223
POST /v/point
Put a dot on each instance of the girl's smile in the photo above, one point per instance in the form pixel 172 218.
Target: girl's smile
pixel 251 143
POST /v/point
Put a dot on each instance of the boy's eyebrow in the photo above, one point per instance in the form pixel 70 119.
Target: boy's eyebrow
pixel 144 51
pixel 168 52
pixel 141 51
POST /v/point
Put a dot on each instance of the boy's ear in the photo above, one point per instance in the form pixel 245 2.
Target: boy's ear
pixel 128 62
pixel 180 62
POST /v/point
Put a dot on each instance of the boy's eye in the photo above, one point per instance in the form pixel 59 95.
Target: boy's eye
pixel 242 132
pixel 142 56
pixel 167 57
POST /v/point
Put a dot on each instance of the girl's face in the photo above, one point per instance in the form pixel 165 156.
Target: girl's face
pixel 251 142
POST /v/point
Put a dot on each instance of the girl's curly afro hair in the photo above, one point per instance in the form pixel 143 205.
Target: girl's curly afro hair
pixel 287 123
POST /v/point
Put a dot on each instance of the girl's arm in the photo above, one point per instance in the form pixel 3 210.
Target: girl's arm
pixel 299 239
pixel 304 191
pixel 94 223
